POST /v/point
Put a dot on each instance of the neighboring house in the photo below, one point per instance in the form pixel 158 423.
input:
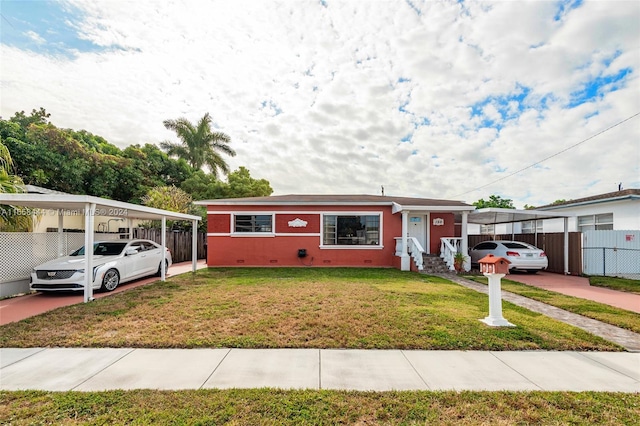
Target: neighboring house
pixel 327 230
pixel 47 220
pixel 617 211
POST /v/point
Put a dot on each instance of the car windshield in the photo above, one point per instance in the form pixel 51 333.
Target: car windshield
pixel 104 249
pixel 516 246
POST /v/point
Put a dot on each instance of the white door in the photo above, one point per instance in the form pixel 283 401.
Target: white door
pixel 418 229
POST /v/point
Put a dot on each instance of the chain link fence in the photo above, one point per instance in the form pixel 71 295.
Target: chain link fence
pixel 612 262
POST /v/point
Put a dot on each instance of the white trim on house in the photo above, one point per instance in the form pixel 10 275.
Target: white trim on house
pixel 277 234
pixel 232 224
pixel 380 215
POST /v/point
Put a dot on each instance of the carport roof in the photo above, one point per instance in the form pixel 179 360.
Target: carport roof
pixel 76 205
pixel 492 215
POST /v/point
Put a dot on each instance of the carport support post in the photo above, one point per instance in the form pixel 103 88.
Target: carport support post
pixel 566 246
pixel 194 246
pixel 163 274
pixel 464 244
pixel 61 250
pixel 89 211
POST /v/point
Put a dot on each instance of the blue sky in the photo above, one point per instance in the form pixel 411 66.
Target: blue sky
pixel 43 27
pixel 430 99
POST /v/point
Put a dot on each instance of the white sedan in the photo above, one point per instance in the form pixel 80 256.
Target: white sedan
pixel 114 262
pixel 522 256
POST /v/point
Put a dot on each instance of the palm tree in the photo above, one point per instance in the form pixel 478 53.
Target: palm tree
pixel 11 219
pixel 199 145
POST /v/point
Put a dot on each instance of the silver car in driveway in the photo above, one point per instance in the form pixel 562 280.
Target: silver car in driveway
pixel 114 262
pixel 523 256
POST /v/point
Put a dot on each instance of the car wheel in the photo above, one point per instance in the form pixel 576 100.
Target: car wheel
pixel 166 269
pixel 110 280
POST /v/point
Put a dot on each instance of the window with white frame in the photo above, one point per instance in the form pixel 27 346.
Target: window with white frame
pixel 531 226
pixel 245 223
pixel 351 230
pixel 487 229
pixel 598 222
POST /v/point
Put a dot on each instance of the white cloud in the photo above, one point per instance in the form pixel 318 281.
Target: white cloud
pixel 318 99
pixel 35 37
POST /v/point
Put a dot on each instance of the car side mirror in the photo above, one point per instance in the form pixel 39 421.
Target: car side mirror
pixel 131 252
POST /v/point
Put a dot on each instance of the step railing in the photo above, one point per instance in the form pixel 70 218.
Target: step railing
pixel 415 250
pixel 449 246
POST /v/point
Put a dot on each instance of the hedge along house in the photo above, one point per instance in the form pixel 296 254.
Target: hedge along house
pixel 332 230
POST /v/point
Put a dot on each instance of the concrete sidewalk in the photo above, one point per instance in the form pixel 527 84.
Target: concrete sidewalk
pixel 64 369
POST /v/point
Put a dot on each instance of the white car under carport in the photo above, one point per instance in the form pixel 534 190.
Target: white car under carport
pixel 114 262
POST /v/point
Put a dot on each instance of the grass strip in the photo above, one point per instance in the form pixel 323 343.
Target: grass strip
pixel 598 311
pixel 294 407
pixel 614 283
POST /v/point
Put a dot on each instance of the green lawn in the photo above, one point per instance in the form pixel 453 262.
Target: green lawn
pixel 599 311
pixel 620 284
pixel 278 407
pixel 297 308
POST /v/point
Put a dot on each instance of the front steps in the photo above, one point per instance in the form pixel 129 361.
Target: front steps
pixel 433 264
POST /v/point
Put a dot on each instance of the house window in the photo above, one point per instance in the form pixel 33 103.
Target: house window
pixel 531 226
pixel 253 223
pixel 487 229
pixel 351 230
pixel 598 222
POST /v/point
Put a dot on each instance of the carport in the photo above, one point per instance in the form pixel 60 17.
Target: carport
pixel 493 216
pixel 89 207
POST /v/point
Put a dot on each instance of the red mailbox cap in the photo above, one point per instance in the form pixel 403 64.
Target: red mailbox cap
pixel 491 259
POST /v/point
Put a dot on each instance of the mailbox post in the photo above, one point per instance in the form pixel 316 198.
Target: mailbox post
pixel 494 268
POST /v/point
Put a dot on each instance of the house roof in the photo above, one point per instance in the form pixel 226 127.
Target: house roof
pixel 610 196
pixel 399 203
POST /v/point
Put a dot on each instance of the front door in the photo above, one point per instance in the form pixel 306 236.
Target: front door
pixel 418 229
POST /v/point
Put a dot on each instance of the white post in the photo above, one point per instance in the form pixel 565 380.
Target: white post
pixel 405 260
pixel 566 246
pixel 163 273
pixel 89 211
pixel 464 244
pixel 61 247
pixel 194 246
pixel 495 318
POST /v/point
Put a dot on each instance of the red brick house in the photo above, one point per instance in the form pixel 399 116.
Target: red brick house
pixel 329 230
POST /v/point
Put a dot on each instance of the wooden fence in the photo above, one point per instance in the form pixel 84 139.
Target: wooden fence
pixel 551 243
pixel 178 242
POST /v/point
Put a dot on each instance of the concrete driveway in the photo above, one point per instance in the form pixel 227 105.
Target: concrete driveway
pixel 579 287
pixel 21 307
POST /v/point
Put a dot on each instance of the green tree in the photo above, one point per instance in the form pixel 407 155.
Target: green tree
pixel 11 218
pixel 80 162
pixel 168 198
pixel 202 186
pixel 175 200
pixel 241 184
pixel 199 145
pixel 495 201
pixel 37 117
